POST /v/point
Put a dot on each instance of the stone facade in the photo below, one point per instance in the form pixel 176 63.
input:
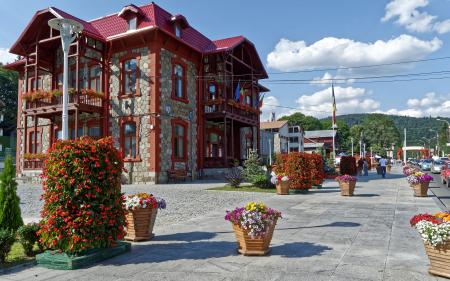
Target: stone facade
pixel 172 109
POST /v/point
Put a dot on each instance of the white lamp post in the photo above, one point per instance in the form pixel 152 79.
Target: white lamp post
pixel 68 29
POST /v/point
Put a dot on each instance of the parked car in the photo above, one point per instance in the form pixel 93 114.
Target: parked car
pixel 444 159
pixel 445 173
pixel 436 166
pixel 426 164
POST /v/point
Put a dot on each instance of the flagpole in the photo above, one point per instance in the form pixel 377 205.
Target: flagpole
pixel 333 126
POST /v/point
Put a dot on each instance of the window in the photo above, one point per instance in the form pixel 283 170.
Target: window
pixel 33 86
pixel 1 117
pixel 179 140
pixel 35 146
pixel 177 30
pixel 293 129
pixel 293 139
pixel 94 132
pixel 1 132
pixel 60 81
pixel 214 147
pixel 95 81
pixel 293 149
pixel 178 82
pixel 132 23
pixel 59 134
pixel 130 140
pixel 130 71
pixel 129 136
pixel 72 133
pixel 212 91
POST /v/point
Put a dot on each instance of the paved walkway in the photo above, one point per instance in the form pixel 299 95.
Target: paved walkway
pixel 322 236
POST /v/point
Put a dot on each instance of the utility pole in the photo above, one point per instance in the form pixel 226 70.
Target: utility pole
pixel 404 148
pixel 352 144
pixel 270 153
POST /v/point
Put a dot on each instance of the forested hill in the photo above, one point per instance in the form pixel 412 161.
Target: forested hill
pixel 416 127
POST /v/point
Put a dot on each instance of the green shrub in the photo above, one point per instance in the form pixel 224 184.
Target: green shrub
pixel 10 217
pixel 252 167
pixel 262 181
pixel 27 235
pixel 6 241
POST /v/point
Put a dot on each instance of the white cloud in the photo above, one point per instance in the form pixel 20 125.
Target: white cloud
pixel 331 52
pixel 431 104
pixel 270 104
pixel 327 78
pixel 348 100
pixel 408 15
pixel 6 57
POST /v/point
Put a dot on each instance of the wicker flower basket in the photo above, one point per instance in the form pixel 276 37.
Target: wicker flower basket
pixel 283 187
pixel 439 259
pixel 347 188
pixel 253 246
pixel 140 224
pixel 421 189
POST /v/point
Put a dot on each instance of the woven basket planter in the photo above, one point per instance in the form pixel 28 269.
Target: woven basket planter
pixel 282 187
pixel 253 246
pixel 421 189
pixel 140 224
pixel 347 188
pixel 439 259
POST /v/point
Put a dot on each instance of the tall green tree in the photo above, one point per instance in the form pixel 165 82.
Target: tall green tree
pixel 8 94
pixel 380 132
pixel 444 138
pixel 10 216
pixel 342 133
pixel 308 123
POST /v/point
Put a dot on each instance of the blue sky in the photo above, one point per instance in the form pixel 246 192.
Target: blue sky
pixel 305 35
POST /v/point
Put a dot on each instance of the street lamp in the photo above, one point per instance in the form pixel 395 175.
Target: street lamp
pixel 68 29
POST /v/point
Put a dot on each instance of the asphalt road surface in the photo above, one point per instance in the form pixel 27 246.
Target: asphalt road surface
pixel 441 191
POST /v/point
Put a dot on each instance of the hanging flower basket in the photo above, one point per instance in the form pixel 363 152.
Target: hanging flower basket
pixel 281 183
pixel 253 226
pixel 142 209
pixel 435 233
pixel 347 184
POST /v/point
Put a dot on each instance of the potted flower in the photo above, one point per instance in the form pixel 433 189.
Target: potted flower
pixel 435 233
pixel 281 181
pixel 253 225
pixel 419 182
pixel 347 184
pixel 142 209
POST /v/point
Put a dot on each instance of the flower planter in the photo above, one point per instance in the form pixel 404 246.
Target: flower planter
pixel 282 188
pixel 439 259
pixel 140 224
pixel 347 188
pixel 388 168
pixel 421 189
pixel 253 246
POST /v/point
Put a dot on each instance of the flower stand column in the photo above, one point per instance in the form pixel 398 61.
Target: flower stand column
pixel 253 226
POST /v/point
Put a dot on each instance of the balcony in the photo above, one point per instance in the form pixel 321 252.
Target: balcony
pixel 49 103
pixel 242 112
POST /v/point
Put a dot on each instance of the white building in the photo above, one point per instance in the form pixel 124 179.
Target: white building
pixel 295 139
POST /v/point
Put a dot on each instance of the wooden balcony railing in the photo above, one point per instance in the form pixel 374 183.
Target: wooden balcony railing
pixel 220 105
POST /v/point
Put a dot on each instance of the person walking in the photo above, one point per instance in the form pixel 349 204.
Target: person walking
pixel 383 167
pixel 366 167
pixel 360 166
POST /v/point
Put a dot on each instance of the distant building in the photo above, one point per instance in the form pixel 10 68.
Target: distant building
pixel 274 134
pixel 295 139
pixel 319 139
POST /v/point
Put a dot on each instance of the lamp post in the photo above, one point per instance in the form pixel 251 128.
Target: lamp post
pixel 68 29
pixel 352 144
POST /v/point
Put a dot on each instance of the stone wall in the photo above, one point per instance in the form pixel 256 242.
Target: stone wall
pixel 171 109
pixel 138 172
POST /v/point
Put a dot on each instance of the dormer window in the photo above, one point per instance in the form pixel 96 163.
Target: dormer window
pixel 177 30
pixel 132 23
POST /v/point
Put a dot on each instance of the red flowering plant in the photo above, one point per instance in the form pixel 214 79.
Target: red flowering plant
pixel 347 165
pixel 297 166
pixel 316 166
pixel 83 205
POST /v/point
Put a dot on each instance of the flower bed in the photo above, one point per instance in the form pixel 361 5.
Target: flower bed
pixel 83 205
pixel 435 233
pixel 253 225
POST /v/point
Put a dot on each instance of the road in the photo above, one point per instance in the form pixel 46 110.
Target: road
pixel 441 191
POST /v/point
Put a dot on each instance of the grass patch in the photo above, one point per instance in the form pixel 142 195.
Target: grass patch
pixel 245 188
pixel 16 256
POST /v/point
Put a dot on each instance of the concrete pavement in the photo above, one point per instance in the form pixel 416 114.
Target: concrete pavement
pixel 322 236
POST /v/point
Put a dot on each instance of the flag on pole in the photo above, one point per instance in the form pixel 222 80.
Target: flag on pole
pixel 237 92
pixel 334 106
pixel 261 98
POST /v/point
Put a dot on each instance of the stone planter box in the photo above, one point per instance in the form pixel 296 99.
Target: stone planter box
pixel 347 188
pixel 421 189
pixel 282 188
pixel 140 224
pixel 253 246
pixel 439 259
pixel 56 260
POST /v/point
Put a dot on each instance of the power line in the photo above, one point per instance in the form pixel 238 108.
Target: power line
pixel 364 82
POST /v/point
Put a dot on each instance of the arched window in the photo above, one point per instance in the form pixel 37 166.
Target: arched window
pixel 130 76
pixel 129 139
pixel 179 82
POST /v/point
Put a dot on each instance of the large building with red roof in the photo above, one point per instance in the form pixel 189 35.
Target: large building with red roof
pixel 175 102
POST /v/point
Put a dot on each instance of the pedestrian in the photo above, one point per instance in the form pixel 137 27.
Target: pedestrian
pixel 360 166
pixel 366 167
pixel 383 167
